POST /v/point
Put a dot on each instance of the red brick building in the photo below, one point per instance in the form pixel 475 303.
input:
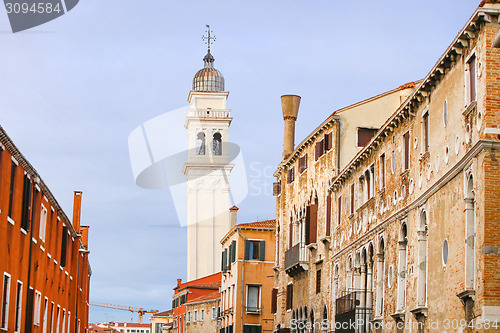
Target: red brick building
pixel 188 291
pixel 44 265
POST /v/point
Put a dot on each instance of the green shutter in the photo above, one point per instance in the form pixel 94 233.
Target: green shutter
pixel 247 250
pixel 230 255
pixel 262 251
pixel 224 260
pixel 234 251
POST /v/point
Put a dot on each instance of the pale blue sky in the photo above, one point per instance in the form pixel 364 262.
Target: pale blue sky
pixel 73 89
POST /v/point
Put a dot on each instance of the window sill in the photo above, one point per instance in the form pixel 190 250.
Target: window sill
pixel 368 202
pixel 405 173
pixel 424 156
pixel 398 316
pixel 11 221
pixel 312 246
pixel 325 239
pixel 419 312
pixel 471 107
pixel 464 295
pixel 24 231
pixel 34 240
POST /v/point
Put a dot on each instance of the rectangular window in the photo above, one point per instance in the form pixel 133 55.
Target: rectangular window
pixel 195 318
pixel 188 318
pixel 274 300
pixel 382 171
pixel 319 149
pixel 290 175
pixel 328 142
pixel 43 222
pixel 25 211
pixel 352 198
pixel 311 224
pixel 63 320
pixel 5 301
pixel 255 250
pixel 289 296
pixel 249 328
pixel 253 298
pixel 52 320
pixel 45 310
pixel 12 184
pixel 328 214
pixel 471 68
pixel 302 163
pixel 38 304
pixel 58 318
pixel 64 246
pixel 213 312
pixel 318 281
pixel 202 315
pixel 19 306
pixel 425 130
pixel 406 152
pixel 339 210
pixel 365 135
pixel 69 321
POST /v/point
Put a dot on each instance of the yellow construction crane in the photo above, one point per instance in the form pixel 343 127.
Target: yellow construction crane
pixel 140 311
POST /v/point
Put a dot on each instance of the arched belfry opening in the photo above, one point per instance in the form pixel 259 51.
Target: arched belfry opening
pixel 217 144
pixel 200 143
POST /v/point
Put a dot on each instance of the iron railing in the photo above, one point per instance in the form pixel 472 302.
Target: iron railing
pixel 296 255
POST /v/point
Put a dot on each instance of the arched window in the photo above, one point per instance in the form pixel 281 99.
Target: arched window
pixel 402 269
pixel 324 323
pixel 470 226
pixel 200 144
pixel 217 144
pixel 379 303
pixel 422 260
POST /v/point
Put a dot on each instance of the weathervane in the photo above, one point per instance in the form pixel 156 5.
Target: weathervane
pixel 210 39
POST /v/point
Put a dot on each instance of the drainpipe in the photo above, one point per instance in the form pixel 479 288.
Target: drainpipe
pixel 242 280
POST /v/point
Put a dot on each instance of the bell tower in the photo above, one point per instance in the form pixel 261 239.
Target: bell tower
pixel 207 169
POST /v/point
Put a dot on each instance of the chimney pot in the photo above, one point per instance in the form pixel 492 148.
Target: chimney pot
pixel 290 105
pixel 233 212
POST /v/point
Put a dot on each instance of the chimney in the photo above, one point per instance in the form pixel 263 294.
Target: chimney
pixel 84 231
pixel 233 212
pixel 179 282
pixel 77 207
pixel 290 105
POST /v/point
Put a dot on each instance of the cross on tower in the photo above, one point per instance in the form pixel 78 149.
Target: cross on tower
pixel 208 39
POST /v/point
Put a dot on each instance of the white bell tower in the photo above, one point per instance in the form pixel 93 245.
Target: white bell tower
pixel 207 170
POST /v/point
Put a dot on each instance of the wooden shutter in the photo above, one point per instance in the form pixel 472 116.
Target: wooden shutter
pixel 328 214
pixel 233 255
pixel 365 135
pixel 25 217
pixel 274 300
pixel 406 138
pixel 289 296
pixel 262 251
pixel 64 246
pixel 339 209
pixel 330 141
pixel 317 150
pixel 276 189
pixel 224 260
pixel 313 223
pixel 308 222
pixel 352 198
pixel 247 250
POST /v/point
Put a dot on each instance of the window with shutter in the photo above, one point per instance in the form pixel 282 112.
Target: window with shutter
pixel 274 300
pixel 233 256
pixel 365 135
pixel 352 198
pixel 308 223
pixel 313 223
pixel 262 254
pixel 25 217
pixel 328 214
pixel 339 210
pixel 406 156
pixel 289 296
pixel 64 246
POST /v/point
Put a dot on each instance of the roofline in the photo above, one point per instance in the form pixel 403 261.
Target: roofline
pixel 16 153
pixel 242 227
pixel 335 116
pixel 414 98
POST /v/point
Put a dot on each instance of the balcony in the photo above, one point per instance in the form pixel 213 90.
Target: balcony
pixel 296 259
pixel 351 309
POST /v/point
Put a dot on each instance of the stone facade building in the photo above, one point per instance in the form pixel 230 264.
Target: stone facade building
pixel 405 236
pixel 202 313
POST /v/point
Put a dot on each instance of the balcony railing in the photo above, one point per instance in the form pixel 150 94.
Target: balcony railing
pixel 209 113
pixel 352 308
pixel 296 259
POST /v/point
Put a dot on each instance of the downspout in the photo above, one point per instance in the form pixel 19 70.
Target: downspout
pixel 242 279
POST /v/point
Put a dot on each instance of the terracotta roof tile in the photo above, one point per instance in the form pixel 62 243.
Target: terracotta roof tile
pixel 164 313
pixel 211 285
pixel 259 224
pixel 208 297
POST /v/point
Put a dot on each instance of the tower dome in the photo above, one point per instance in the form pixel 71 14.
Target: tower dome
pixel 208 78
